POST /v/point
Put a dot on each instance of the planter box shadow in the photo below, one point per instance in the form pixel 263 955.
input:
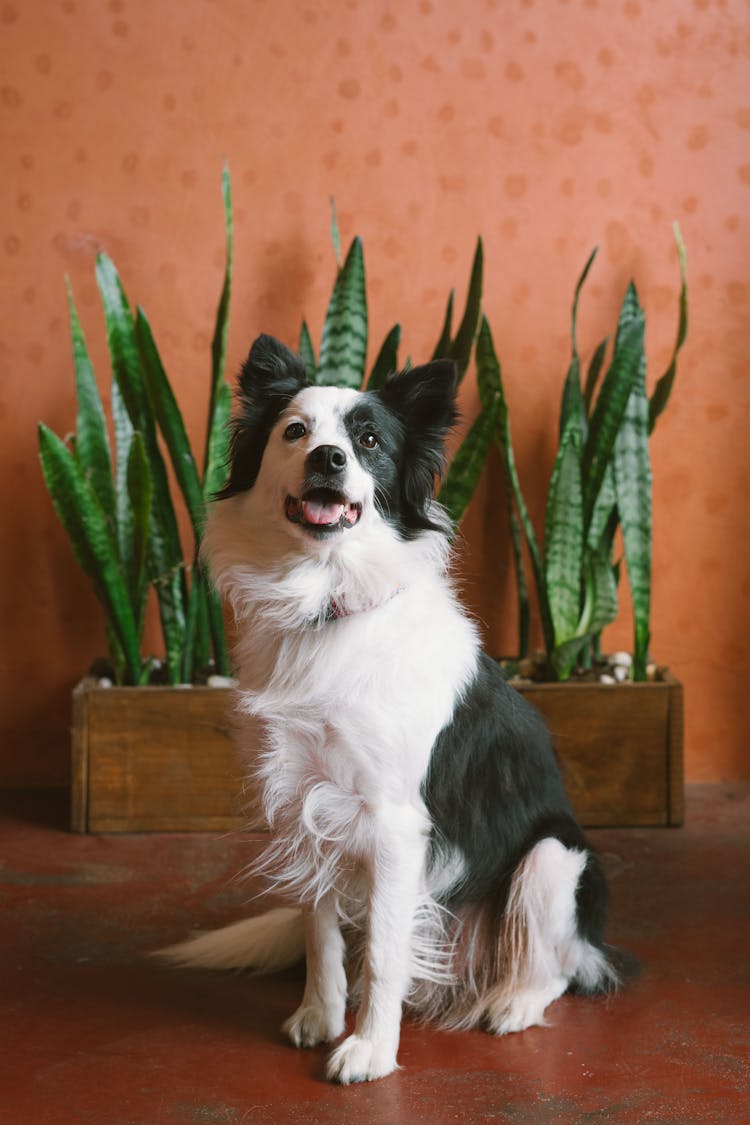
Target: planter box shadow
pixel 161 759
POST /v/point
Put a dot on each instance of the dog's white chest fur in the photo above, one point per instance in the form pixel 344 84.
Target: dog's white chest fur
pixel 350 708
pixel 349 726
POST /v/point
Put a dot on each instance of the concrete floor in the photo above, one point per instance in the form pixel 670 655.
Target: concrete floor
pixel 92 1031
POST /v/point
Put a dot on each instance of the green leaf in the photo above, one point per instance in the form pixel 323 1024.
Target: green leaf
pixel 221 328
pixel 469 461
pixel 577 295
pixel 218 633
pixel 572 406
pixel 166 566
pixel 632 474
pixel 167 413
pixel 344 343
pixel 197 648
pixel 663 388
pixel 592 376
pixel 572 400
pixel 599 609
pixel 565 656
pixel 123 428
pixel 90 535
pixel 123 349
pixel 522 589
pixel 488 368
pixel 203 632
pixel 116 655
pixel 218 450
pixel 563 539
pixel 461 346
pixel 489 375
pixel 605 511
pixel 600 603
pixel 307 351
pixel 387 359
pixel 443 345
pixel 335 233
pixel 612 400
pixel 92 440
pixel 140 500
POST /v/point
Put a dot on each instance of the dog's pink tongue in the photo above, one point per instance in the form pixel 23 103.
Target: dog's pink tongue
pixel 314 511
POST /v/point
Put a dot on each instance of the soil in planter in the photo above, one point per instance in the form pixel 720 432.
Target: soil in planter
pixel 615 668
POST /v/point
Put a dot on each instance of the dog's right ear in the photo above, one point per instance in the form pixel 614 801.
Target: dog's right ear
pixel 270 377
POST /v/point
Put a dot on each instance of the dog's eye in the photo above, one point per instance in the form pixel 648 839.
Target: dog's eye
pixel 294 431
pixel 368 440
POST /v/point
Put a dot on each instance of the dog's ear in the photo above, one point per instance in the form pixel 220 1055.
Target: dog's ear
pixel 425 397
pixel 271 370
pixel 270 377
pixel 425 400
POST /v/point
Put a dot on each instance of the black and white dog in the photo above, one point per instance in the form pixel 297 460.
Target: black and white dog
pixel 419 823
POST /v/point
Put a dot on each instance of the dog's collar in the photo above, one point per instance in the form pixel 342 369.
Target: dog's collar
pixel 337 608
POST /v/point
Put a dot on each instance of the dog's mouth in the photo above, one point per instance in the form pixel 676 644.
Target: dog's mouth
pixel 322 511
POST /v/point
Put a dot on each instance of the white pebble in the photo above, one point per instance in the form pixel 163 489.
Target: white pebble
pixel 605 679
pixel 104 681
pixel 221 681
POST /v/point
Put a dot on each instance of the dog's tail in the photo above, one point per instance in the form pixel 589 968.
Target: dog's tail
pixel 268 943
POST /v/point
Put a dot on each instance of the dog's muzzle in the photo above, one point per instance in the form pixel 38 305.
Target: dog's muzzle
pixel 323 508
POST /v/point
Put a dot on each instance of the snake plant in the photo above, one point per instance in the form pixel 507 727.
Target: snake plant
pixel 601 480
pixel 342 359
pixel 117 507
pixel 343 350
pixel 115 502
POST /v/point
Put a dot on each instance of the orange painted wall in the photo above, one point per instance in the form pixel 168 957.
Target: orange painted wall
pixel 545 126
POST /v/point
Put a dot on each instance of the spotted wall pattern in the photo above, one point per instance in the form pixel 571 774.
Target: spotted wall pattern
pixel 545 126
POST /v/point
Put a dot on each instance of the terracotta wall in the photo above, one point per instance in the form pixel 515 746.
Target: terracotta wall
pixel 547 127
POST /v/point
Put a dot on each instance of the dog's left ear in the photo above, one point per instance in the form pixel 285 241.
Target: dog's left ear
pixel 425 400
pixel 425 397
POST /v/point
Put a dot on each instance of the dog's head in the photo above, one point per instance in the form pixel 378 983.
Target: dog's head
pixel 330 459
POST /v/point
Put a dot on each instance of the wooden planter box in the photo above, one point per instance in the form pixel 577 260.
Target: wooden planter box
pixel 161 759
pixel 620 748
pixel 153 759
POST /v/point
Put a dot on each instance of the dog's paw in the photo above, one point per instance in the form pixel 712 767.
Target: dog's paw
pixel 526 1009
pixel 312 1024
pixel 360 1060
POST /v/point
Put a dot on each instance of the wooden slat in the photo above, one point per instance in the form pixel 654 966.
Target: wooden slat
pixel 675 742
pixel 79 773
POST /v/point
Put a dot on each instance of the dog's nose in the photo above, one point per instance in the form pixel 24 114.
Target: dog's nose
pixel 327 459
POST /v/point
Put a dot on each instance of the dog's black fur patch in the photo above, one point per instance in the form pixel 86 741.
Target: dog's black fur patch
pixel 424 399
pixel 269 379
pixel 494 789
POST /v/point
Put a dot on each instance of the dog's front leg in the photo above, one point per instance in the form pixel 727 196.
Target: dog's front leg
pixel 320 1016
pixel 395 873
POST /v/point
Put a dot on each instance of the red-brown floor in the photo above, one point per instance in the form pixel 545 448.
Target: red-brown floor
pixel 92 1031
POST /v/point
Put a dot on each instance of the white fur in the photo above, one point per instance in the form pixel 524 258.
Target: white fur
pixel 269 943
pixel 350 709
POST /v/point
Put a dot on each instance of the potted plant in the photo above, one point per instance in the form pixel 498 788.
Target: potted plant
pixel 146 755
pixel 620 746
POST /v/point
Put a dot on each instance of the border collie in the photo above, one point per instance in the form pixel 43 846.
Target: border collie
pixel 419 825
